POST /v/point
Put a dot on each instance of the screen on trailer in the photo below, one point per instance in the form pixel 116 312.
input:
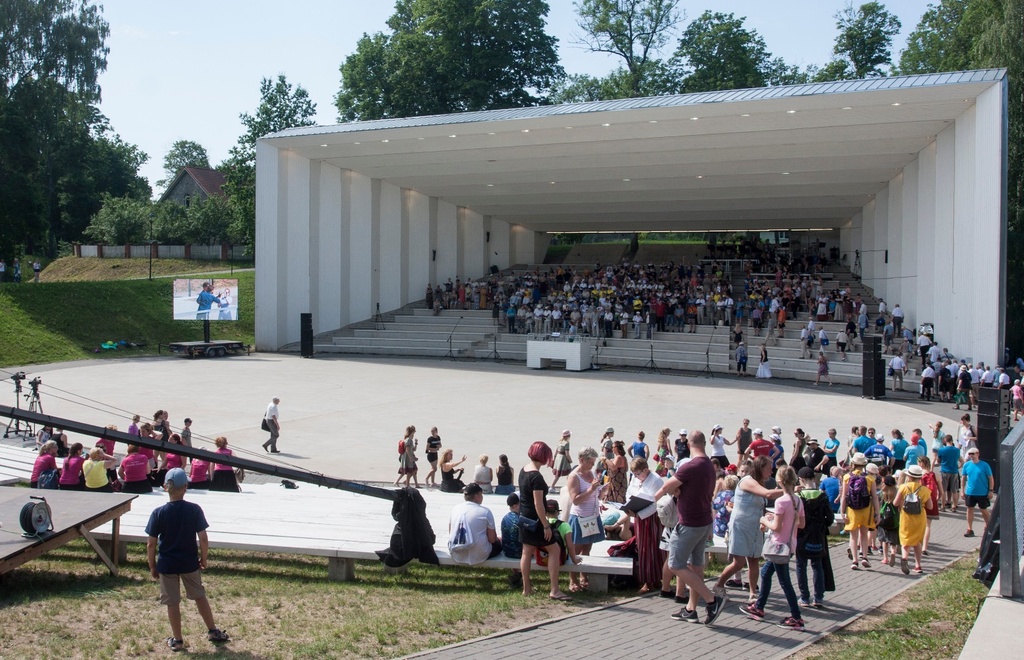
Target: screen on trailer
pixel 210 299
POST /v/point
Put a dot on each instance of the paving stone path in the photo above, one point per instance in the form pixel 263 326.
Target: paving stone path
pixel 612 632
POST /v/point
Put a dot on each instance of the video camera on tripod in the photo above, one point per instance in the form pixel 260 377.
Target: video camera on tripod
pixel 34 405
pixel 18 377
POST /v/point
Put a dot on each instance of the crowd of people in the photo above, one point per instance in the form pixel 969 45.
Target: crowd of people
pixel 138 469
pixel 15 269
pixel 767 503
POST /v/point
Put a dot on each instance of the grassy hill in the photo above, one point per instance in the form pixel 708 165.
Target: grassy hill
pixel 68 320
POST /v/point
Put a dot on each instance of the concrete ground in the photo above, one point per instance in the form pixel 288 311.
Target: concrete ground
pixel 344 416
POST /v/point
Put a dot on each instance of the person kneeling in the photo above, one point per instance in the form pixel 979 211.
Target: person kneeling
pixel 472 537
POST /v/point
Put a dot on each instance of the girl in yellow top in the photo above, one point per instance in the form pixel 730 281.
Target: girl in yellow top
pixel 859 521
pixel 95 471
pixel 912 525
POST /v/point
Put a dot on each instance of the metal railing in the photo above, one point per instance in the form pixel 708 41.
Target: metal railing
pixel 1011 512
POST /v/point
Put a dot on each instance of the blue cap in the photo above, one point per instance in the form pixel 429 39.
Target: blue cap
pixel 176 478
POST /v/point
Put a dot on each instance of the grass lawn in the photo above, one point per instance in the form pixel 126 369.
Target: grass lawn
pixel 930 620
pixel 68 320
pixel 65 604
pixel 73 269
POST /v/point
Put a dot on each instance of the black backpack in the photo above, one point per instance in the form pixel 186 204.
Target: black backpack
pixel 812 540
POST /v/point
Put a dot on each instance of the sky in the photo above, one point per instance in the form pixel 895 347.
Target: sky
pixel 187 70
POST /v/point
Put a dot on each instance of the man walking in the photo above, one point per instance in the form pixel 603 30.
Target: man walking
pixel 898 368
pixel 272 423
pixel 693 484
pixel 978 491
pixel 174 558
pixel 741 359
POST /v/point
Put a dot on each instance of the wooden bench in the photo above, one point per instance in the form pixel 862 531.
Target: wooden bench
pixel 16 464
pixel 343 527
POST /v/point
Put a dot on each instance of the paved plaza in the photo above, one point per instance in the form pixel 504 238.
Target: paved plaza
pixel 344 416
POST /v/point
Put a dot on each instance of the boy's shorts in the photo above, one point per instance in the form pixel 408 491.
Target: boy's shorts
pixel 170 587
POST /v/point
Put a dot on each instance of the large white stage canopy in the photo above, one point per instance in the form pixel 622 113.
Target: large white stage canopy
pixel 911 170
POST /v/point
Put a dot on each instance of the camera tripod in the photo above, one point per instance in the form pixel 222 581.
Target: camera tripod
pixel 378 320
pixel 35 404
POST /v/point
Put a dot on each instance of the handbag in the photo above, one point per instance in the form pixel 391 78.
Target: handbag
pixel 588 525
pixel 264 425
pixel 529 524
pixel 775 551
pixel 824 341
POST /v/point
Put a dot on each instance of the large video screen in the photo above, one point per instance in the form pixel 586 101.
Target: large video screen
pixel 209 299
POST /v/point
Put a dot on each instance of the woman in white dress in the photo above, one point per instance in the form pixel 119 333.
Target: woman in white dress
pixel 764 371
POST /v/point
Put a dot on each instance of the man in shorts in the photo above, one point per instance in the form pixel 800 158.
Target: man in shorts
pixel 977 487
pixel 174 558
pixel 693 484
pixel 949 460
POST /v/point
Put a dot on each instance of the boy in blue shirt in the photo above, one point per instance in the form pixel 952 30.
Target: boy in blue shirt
pixel 175 560
pixel 830 485
pixel 978 489
pixel 511 546
pixel 948 458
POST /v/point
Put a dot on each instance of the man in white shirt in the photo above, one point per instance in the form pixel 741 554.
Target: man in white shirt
pixel 899 368
pixel 897 318
pixel 927 382
pixel 472 536
pixel 272 424
pixel 934 353
pixel 923 343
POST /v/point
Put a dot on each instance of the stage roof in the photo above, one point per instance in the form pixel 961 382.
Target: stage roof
pixel 793 157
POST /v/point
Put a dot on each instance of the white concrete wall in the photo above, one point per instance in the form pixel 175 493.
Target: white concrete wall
pixel 447 263
pixel 473 244
pixel 332 242
pixel 500 250
pixel 392 279
pixel 360 246
pixel 894 241
pixel 416 244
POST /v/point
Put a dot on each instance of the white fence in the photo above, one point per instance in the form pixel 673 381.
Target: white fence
pixel 201 252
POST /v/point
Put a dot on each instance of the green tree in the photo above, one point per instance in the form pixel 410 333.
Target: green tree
pixel 121 220
pixel 51 53
pixel 634 30
pixel 656 78
pixel 449 56
pixel 939 42
pixel 717 52
pixel 281 106
pixel 863 44
pixel 183 153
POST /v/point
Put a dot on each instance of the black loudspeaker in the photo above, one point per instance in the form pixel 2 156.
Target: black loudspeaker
pixel 994 402
pixel 992 428
pixel 306 335
pixel 872 369
pixel 494 270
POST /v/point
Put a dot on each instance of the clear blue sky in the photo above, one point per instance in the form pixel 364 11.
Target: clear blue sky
pixel 186 70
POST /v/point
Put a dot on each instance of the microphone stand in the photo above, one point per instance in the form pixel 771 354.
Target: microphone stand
pixel 494 354
pixel 451 355
pixel 707 373
pixel 651 364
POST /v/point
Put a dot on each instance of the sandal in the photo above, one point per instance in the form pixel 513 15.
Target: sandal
pixel 175 644
pixel 218 636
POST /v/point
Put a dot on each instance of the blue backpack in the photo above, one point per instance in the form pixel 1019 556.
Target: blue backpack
pixel 48 479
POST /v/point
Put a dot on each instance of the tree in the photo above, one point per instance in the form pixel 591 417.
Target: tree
pixel 281 107
pixel 121 220
pixel 51 53
pixel 634 30
pixel 183 153
pixel 863 44
pixel 450 56
pixel 938 43
pixel 719 53
pixel 656 78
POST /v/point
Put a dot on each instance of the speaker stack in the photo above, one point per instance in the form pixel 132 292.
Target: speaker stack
pixel 873 369
pixel 993 425
pixel 306 335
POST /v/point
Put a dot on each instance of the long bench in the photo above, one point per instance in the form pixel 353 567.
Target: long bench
pixel 16 464
pixel 343 527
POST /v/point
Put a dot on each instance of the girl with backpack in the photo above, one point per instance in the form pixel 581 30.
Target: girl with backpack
pixel 932 509
pixel 859 503
pixel 783 526
pixel 889 523
pixel 912 498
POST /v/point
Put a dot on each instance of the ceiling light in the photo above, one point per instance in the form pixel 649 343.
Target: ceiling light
pixel 746 114
pixel 846 107
pixel 625 179
pixel 653 121
pixel 700 176
pixel 488 134
pixel 790 112
pixel 357 143
pixel 552 183
pixel 490 185
pixel 606 125
pixel 785 173
pixel 385 140
pixel 452 136
pixel 421 138
pixel 896 104
pixel 694 118
pixel 568 128
pixel 526 130
pixel 323 145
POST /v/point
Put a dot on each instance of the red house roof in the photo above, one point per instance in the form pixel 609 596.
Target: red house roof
pixel 209 181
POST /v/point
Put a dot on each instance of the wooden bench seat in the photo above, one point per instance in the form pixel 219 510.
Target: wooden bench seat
pixel 343 527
